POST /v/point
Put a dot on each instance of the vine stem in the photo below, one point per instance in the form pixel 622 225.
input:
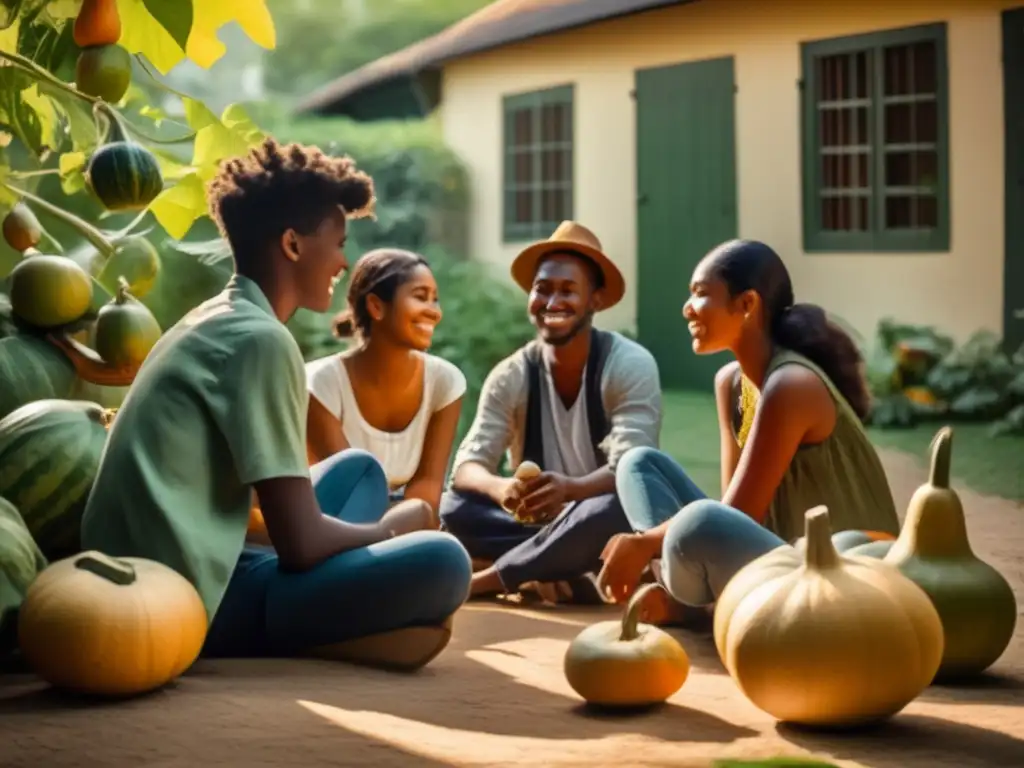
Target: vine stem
pixel 87 230
pixel 33 69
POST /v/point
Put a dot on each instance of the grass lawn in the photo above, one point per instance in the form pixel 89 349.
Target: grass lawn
pixel 989 465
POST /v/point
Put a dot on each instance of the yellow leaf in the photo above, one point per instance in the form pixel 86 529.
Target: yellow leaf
pixel 237 119
pixel 171 168
pixel 198 115
pixel 141 33
pixel 177 207
pixel 205 48
pixel 72 178
pixel 9 37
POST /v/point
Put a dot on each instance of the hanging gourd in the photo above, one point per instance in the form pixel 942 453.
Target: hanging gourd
pixel 820 639
pixel 122 174
pixel 624 663
pixel 97 23
pixel 21 228
pixel 976 604
pixel 104 72
pixel 110 626
pixel 49 291
pixel 126 330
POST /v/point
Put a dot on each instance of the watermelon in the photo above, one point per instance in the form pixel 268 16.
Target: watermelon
pixel 49 454
pixel 20 561
pixel 32 369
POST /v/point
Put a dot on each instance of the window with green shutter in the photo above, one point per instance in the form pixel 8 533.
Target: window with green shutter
pixel 876 142
pixel 538 168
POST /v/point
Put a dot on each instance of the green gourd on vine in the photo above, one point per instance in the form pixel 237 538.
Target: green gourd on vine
pixel 21 228
pixel 122 174
pixel 49 291
pixel 974 601
pixel 104 71
pixel 126 330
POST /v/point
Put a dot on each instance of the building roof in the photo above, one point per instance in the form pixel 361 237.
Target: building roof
pixel 500 23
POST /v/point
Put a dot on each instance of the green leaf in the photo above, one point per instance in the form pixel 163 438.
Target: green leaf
pixel 206 251
pixel 72 177
pixel 80 121
pixel 26 113
pixel 177 207
pixel 175 16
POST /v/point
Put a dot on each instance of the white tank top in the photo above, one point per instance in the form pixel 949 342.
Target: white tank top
pixel 398 452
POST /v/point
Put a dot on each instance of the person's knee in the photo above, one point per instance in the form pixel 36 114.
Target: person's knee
pixel 638 460
pixel 454 508
pixel 444 579
pixel 700 529
pixel 351 462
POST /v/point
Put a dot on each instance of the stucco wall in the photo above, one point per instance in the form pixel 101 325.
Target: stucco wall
pixel 959 291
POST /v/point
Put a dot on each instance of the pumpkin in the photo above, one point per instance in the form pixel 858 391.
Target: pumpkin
pixel 124 176
pixel 822 639
pixel 624 663
pixel 21 228
pixel 49 291
pixel 111 626
pixel 974 601
pixel 921 396
pixel 32 369
pixel 97 23
pixel 49 455
pixel 104 71
pixel 20 562
pixel 125 330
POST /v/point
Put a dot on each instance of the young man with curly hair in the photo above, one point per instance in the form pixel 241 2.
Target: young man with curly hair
pixel 218 410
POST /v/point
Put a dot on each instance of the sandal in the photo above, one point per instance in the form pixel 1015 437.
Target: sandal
pixel 406 649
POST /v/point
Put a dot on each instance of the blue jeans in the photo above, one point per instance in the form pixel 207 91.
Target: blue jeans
pixel 707 541
pixel 418 579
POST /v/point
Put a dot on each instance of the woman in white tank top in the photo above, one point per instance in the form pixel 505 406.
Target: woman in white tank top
pixel 386 395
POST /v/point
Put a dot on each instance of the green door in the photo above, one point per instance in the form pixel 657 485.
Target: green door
pixel 1013 88
pixel 686 203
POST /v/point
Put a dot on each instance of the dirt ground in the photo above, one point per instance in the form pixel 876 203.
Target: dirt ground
pixel 497 697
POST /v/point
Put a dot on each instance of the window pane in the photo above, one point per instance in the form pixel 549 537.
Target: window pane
pixel 911 169
pixel 912 123
pixel 843 77
pixel 844 126
pixel 846 171
pixel 845 214
pixel 522 128
pixel 523 213
pixel 554 166
pixel 554 123
pixel 911 69
pixel 552 206
pixel 522 168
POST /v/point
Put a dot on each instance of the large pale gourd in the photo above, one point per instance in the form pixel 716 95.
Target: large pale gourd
pixel 816 638
pixel 975 603
pixel 625 663
pixel 116 627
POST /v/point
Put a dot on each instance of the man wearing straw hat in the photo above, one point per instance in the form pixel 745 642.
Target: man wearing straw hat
pixel 572 401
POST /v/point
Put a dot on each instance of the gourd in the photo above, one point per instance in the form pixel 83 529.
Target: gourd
pixel 624 663
pixel 126 330
pixel 20 562
pixel 32 369
pixel 527 470
pixel 97 23
pixel 822 639
pixel 136 260
pixel 49 291
pixel 49 454
pixel 974 601
pixel 104 71
pixel 124 175
pixel 21 228
pixel 111 626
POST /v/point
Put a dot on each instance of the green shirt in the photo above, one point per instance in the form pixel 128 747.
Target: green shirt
pixel 843 472
pixel 219 404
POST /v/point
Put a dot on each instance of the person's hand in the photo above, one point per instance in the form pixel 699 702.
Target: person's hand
pixel 543 496
pixel 511 495
pixel 405 517
pixel 625 557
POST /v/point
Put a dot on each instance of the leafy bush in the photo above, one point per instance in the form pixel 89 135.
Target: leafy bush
pixel 916 373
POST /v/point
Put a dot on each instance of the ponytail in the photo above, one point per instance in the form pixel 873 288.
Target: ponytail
pixel 807 330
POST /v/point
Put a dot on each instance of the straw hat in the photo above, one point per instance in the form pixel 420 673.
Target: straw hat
pixel 576 238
